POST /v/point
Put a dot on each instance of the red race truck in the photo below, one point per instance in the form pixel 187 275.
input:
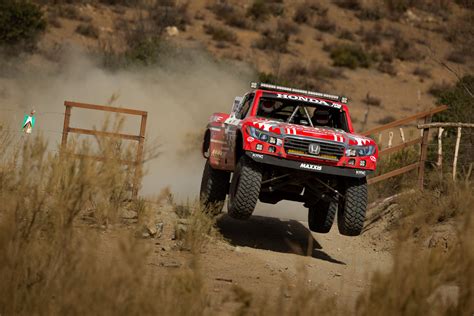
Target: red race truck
pixel 281 143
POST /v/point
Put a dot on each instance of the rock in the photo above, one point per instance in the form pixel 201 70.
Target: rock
pixel 128 214
pixel 337 274
pixel 238 249
pixel 159 229
pixel 172 31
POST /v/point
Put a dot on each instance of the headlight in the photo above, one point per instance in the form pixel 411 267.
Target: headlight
pixel 360 151
pixel 264 136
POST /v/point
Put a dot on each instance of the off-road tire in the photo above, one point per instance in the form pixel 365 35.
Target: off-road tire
pixel 321 216
pixel 244 189
pixel 214 187
pixel 351 214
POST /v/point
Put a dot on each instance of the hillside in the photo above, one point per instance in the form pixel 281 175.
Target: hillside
pixel 396 55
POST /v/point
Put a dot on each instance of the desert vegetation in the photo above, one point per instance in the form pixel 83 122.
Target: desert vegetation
pixel 66 246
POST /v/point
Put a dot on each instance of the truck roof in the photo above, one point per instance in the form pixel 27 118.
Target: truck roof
pixel 272 87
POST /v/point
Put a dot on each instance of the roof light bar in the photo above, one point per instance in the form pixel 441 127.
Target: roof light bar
pixel 261 85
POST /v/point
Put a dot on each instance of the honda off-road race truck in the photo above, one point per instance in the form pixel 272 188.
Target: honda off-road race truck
pixel 281 143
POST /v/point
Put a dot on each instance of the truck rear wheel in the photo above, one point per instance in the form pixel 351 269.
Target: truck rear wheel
pixel 214 187
pixel 244 189
pixel 321 216
pixel 351 215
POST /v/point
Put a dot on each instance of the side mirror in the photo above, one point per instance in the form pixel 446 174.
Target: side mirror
pixel 236 105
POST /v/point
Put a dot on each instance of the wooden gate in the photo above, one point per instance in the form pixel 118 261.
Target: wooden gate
pixel 423 140
pixel 140 138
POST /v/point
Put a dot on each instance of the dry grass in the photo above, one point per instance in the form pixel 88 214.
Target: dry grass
pixel 53 264
pixel 434 281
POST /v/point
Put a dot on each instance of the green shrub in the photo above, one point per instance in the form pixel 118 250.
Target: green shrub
pixel 21 24
pixel 461 109
pixel 350 56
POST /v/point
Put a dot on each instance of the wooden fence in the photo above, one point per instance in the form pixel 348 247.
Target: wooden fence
pixel 423 140
pixel 138 162
pixel 441 127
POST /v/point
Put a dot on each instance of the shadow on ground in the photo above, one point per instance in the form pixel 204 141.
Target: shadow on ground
pixel 286 236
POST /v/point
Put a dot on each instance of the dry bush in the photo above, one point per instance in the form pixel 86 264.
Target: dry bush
pixel 422 73
pixel 373 101
pixel 260 10
pixel 69 11
pixel 195 227
pixel 168 13
pixel 274 40
pixel 386 119
pixel 437 87
pixel 346 35
pixel 371 37
pixel 406 51
pixel 88 30
pixel 230 14
pixel 324 24
pixel 348 4
pixel 53 264
pixel 458 56
pixel 219 33
pixel 387 67
pixel 305 12
pixel 370 13
pixel 435 281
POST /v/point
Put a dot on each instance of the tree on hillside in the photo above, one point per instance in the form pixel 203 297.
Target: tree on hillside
pixel 21 24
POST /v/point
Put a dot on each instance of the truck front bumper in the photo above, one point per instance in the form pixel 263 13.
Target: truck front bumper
pixel 306 166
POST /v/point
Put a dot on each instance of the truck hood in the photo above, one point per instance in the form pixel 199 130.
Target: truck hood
pixel 324 133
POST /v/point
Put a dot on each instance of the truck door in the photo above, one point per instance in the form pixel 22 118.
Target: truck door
pixel 232 125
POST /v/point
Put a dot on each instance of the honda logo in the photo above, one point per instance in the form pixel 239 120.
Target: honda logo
pixel 314 149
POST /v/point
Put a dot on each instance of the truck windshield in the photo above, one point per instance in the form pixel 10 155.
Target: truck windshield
pixel 302 113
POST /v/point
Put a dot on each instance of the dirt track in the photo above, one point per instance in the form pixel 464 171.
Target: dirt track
pixel 261 253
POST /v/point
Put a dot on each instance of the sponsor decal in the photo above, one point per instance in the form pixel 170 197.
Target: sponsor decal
pixel 338 138
pixel 307 99
pixel 232 121
pixel 258 156
pixel 310 166
pixel 360 172
pixel 373 158
pixel 266 125
pixel 216 118
pixel 216 153
pixel 250 139
pixel 360 140
pixel 290 130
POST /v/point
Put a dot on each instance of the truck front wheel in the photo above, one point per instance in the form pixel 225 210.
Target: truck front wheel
pixel 321 216
pixel 214 187
pixel 351 214
pixel 244 189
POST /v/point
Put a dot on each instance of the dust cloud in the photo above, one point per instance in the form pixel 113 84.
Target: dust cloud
pixel 179 96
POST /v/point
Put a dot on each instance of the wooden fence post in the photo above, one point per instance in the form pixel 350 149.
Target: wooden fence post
pixel 456 153
pixel 139 161
pixel 67 117
pixel 439 163
pixel 424 152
